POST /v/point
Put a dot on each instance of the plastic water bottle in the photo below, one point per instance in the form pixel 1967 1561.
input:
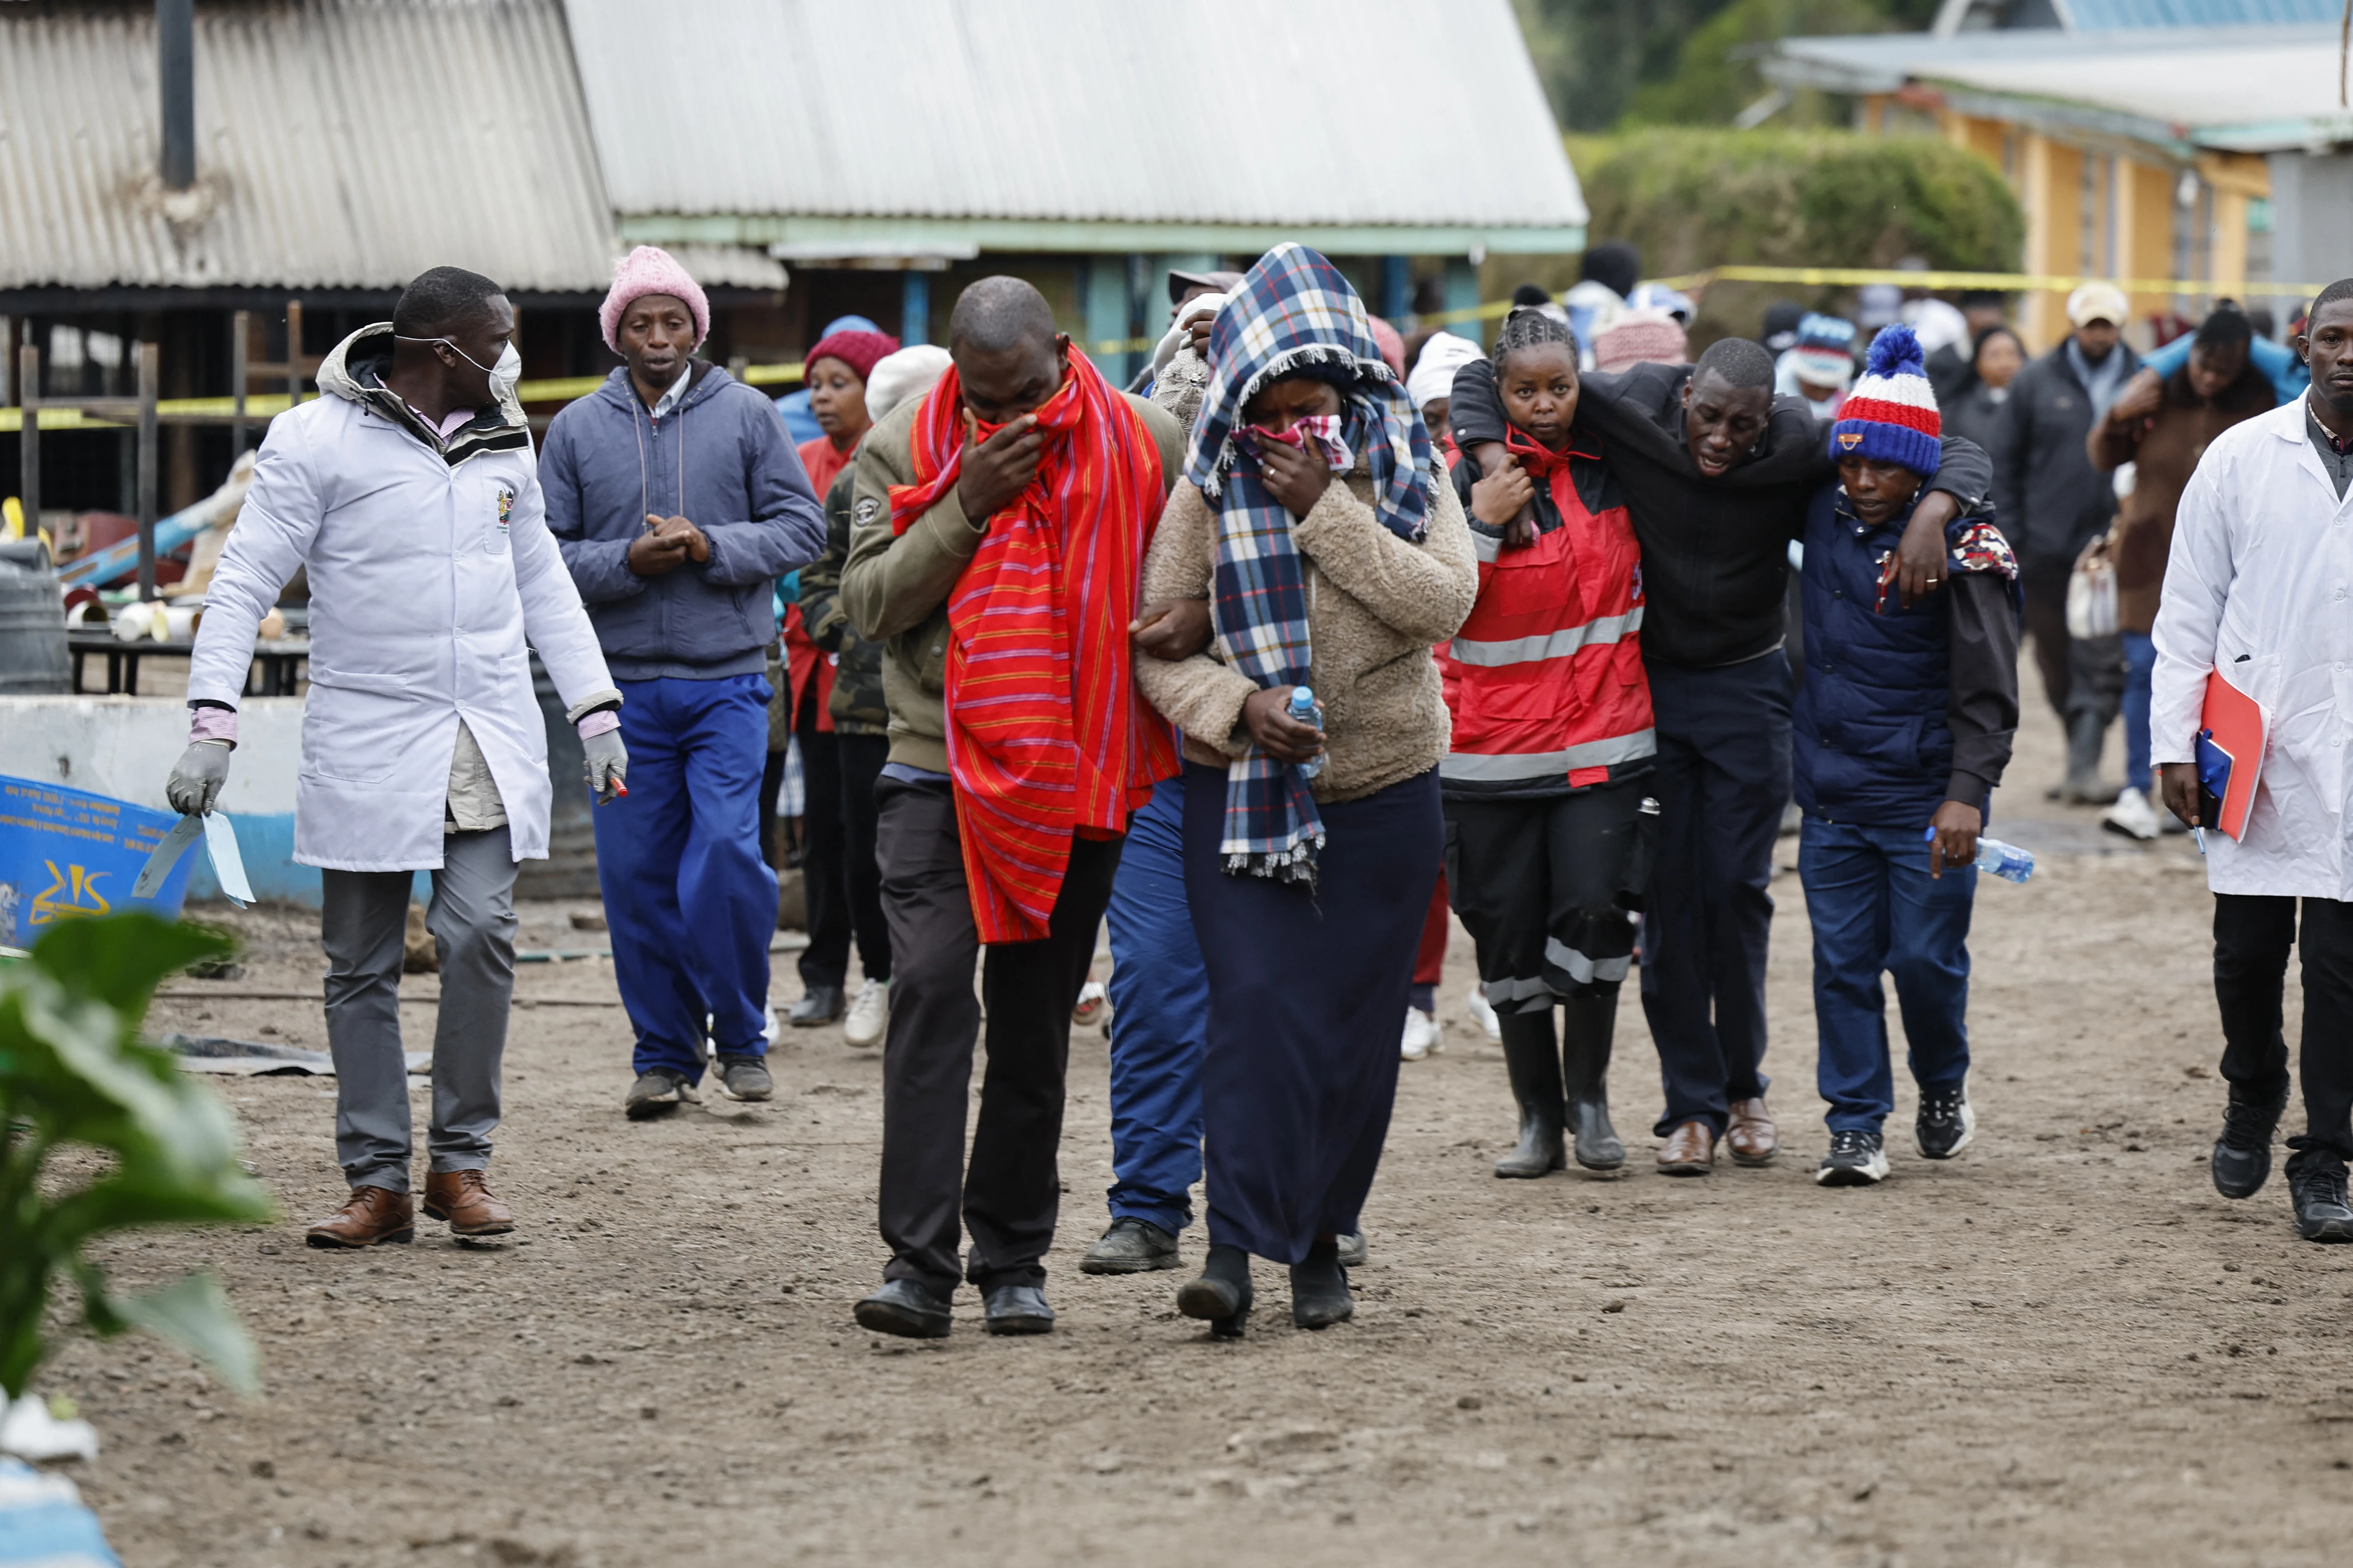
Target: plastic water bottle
pixel 2007 861
pixel 1305 710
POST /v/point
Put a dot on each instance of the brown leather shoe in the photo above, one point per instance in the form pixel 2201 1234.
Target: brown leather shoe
pixel 460 1197
pixel 1689 1150
pixel 374 1215
pixel 1750 1134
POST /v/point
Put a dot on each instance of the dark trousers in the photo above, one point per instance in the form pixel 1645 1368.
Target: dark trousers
pixel 863 757
pixel 2252 935
pixel 1722 777
pixel 1011 1192
pixel 1306 987
pixel 1550 889
pixel 2079 674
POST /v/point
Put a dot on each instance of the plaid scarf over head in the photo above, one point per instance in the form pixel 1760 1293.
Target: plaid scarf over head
pixel 1293 313
pixel 1046 735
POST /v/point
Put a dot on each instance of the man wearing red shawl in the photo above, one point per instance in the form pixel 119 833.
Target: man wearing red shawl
pixel 997 532
pixel 837 366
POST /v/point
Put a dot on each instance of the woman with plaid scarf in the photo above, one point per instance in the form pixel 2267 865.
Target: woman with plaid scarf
pixel 1318 525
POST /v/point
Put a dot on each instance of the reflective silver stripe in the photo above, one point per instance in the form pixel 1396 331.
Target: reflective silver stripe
pixel 1488 545
pixel 1472 769
pixel 1582 969
pixel 1517 994
pixel 1601 629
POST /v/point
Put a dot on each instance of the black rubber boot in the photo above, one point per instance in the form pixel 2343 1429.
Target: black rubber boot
pixel 1319 1287
pixel 1589 1024
pixel 1532 1056
pixel 1222 1295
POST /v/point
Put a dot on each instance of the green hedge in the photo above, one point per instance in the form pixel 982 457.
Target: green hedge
pixel 1693 198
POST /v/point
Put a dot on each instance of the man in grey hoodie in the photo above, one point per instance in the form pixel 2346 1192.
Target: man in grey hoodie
pixel 677 500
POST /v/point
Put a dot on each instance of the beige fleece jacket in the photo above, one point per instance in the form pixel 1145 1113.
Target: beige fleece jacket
pixel 1374 607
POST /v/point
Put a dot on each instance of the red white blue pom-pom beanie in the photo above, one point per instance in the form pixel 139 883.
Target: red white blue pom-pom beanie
pixel 1892 414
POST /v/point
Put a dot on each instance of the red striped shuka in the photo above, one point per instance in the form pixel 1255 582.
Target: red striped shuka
pixel 1549 693
pixel 1047 736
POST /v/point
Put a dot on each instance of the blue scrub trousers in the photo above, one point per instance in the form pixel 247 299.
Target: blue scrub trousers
pixel 2140 666
pixel 690 902
pixel 1875 909
pixel 1159 1022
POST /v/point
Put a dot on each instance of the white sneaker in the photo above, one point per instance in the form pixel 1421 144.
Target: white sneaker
pixel 869 1014
pixel 2132 815
pixel 1485 1013
pixel 1420 1033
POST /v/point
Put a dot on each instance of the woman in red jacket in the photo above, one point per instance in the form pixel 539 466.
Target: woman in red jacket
pixel 1549 824
pixel 837 366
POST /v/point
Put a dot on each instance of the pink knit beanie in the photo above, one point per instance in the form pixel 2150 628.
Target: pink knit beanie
pixel 1638 337
pixel 650 269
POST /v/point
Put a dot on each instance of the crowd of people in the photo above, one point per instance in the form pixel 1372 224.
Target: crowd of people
pixel 1268 662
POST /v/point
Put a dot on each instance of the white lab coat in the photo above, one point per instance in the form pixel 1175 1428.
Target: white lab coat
pixel 426 583
pixel 2260 584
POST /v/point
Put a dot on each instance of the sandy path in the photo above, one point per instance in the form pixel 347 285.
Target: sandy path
pixel 2061 1348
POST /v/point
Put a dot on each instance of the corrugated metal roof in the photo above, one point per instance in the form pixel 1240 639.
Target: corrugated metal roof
pixel 1181 111
pixel 341 143
pixel 2246 88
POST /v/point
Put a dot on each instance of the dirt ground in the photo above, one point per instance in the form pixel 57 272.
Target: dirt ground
pixel 2061 1348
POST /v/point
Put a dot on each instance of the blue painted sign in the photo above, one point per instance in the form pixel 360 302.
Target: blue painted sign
pixel 67 852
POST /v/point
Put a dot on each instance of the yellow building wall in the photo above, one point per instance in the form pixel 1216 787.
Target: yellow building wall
pixel 2050 187
pixel 2130 234
pixel 2145 222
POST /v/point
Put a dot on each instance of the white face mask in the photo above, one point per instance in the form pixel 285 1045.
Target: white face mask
pixel 504 374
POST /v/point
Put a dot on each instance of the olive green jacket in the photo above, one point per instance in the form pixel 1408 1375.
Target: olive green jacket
pixel 858 706
pixel 894 587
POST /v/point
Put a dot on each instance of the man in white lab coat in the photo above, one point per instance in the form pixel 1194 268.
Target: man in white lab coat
pixel 410 492
pixel 2257 587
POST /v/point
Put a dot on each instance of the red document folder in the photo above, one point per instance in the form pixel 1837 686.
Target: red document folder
pixel 2230 753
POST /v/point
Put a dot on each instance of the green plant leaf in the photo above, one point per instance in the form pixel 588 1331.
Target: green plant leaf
pixel 120 958
pixel 195 1313
pixel 72 1072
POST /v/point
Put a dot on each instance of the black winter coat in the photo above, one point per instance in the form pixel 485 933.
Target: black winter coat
pixel 2050 499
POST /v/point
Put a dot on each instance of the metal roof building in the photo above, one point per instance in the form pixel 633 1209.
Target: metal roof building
pixel 341 144
pixel 2182 141
pixel 949 127
pixel 2247 89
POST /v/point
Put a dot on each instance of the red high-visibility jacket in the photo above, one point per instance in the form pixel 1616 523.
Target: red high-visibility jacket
pixel 1549 692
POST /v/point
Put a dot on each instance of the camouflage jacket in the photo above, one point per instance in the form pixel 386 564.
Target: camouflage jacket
pixel 858 707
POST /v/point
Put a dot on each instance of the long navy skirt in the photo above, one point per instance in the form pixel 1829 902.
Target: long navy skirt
pixel 1307 996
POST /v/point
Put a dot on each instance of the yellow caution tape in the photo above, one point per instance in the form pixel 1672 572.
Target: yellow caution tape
pixel 568 388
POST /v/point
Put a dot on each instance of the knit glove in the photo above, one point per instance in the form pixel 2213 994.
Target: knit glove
pixel 197 778
pixel 608 765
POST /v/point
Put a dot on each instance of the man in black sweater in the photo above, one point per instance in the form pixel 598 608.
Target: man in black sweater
pixel 1717 473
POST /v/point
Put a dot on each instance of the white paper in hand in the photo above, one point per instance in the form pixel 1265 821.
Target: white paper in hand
pixel 229 866
pixel 167 854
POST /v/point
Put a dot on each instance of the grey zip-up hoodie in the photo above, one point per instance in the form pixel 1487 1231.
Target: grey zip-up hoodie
pixel 722 459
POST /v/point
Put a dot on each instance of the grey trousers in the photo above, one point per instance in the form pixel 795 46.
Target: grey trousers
pixel 364 925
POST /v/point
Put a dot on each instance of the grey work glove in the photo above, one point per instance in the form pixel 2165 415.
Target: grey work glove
pixel 197 777
pixel 608 765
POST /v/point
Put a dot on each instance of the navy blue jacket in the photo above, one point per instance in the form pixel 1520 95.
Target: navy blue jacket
pixel 607 464
pixel 1902 709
